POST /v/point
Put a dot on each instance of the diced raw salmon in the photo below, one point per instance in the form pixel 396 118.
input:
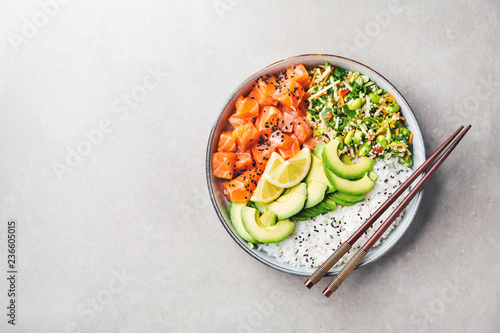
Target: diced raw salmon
pixel 244 161
pixel 289 147
pixel 300 74
pixel 302 129
pixel 223 164
pixel 264 89
pixel 246 135
pixel 227 142
pixel 278 138
pixel 251 95
pixel 272 117
pixel 241 188
pixel 302 109
pixel 237 121
pixel 262 151
pixel 268 121
pixel 287 125
pixel 247 107
pixel 312 142
pixel 261 166
pixel 295 113
pixel 289 93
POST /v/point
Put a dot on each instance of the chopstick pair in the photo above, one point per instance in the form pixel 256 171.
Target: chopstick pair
pixel 346 246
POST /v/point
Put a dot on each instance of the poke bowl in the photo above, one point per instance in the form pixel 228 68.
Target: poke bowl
pixel 336 119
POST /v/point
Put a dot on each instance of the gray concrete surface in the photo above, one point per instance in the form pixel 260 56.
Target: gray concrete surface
pixel 115 231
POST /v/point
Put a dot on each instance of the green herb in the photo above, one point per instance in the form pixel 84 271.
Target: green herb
pixel 350 113
pixel 342 122
pixel 340 73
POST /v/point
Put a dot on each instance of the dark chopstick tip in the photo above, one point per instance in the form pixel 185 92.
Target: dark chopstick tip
pixel 309 284
pixel 327 292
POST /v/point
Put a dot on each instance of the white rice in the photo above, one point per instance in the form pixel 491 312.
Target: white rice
pixel 314 240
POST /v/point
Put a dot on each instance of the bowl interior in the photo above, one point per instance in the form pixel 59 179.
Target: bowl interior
pixel 221 123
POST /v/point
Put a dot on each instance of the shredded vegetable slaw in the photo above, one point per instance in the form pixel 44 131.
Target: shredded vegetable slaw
pixel 348 106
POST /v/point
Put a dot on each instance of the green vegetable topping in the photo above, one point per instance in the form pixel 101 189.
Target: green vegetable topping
pixel 365 118
pixel 392 108
pixel 364 149
pixel 374 98
pixel 348 137
pixel 358 136
pixel 355 104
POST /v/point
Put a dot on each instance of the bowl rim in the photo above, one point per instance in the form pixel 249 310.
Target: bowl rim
pixel 417 199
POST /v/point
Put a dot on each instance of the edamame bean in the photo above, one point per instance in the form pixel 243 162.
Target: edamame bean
pixel 355 104
pixel 374 98
pixel 348 137
pixel 364 149
pixel 382 140
pixel 405 131
pixel 392 108
pixel 379 91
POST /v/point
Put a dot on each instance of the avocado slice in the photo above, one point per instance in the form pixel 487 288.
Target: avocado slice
pixel 352 187
pixel 317 173
pixel 273 234
pixel 346 159
pixel 342 202
pixel 315 193
pixel 346 199
pixel 325 206
pixel 235 216
pixel 353 171
pixel 328 203
pixel 268 219
pixel 319 148
pixel 329 175
pixel 288 204
pixel 308 213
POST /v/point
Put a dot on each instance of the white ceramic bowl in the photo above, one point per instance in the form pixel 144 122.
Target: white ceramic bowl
pixel 221 123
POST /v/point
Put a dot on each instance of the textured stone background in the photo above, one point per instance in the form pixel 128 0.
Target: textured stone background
pixel 123 238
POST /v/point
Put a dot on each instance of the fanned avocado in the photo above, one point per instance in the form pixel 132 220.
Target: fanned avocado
pixel 333 162
pixel 325 206
pixel 288 204
pixel 346 159
pixel 268 219
pixel 235 216
pixel 273 234
pixel 317 173
pixel 309 213
pixel 319 148
pixel 329 203
pixel 329 174
pixel 315 193
pixel 346 199
pixel 352 187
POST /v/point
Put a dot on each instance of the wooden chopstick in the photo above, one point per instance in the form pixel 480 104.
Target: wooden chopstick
pixel 356 259
pixel 346 246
